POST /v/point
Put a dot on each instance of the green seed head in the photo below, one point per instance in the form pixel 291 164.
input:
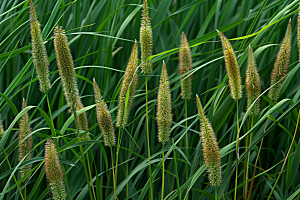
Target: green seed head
pixel 54 171
pixel 185 65
pixel 253 86
pixel 281 65
pixel 164 109
pixel 129 83
pixel 66 67
pixel 39 53
pixel 1 129
pixel 211 151
pixel 26 145
pixel 146 40
pixel 232 68
pixel 82 121
pixel 104 118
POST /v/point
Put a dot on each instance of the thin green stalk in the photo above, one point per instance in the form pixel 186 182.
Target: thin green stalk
pixel 112 167
pixel 177 177
pixel 148 140
pixel 117 158
pixel 90 174
pixel 287 155
pixel 57 147
pixel 237 148
pixel 216 193
pixel 187 141
pixel 13 175
pixel 82 154
pixel 248 157
pixel 163 175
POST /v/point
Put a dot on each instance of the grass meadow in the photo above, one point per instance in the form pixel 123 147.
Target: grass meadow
pixel 157 99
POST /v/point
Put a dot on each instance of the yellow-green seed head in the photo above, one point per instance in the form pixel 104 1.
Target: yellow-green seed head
pixel 281 65
pixel 232 68
pixel 54 171
pixel 39 53
pixel 1 128
pixel 164 107
pixel 130 79
pixel 211 150
pixel 185 65
pixel 146 40
pixel 253 86
pixel 104 118
pixel 82 121
pixel 25 146
pixel 66 67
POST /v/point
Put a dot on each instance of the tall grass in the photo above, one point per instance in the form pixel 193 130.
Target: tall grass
pixel 97 43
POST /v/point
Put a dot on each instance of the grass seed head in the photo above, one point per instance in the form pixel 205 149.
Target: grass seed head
pixel 82 121
pixel 232 68
pixel 146 40
pixel 211 150
pixel 185 65
pixel 104 118
pixel 54 171
pixel 253 86
pixel 281 65
pixel 164 107
pixel 25 146
pixel 130 80
pixel 66 67
pixel 39 53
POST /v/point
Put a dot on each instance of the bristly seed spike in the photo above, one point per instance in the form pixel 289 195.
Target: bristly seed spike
pixel 211 150
pixel 164 109
pixel 281 65
pixel 185 66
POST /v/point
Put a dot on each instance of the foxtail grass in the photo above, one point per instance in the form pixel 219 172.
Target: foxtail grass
pixel 185 65
pixel 66 67
pixel 25 146
pixel 71 92
pixel 281 65
pixel 234 78
pixel 253 85
pixel 232 68
pixel 164 115
pixel 104 118
pixel 39 53
pixel 68 77
pixel 164 110
pixel 128 88
pixel 146 40
pixel 211 150
pixel 54 171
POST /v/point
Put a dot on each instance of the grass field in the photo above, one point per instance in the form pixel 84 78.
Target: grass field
pixel 151 156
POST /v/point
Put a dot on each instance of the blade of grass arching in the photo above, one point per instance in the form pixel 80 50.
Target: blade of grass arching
pixel 253 23
pixel 54 11
pixel 9 56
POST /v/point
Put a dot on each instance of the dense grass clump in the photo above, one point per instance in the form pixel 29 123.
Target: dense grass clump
pixel 111 111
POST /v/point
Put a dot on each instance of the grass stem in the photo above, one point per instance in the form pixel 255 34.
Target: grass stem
pixel 163 174
pixel 148 139
pixel 237 148
pixel 112 167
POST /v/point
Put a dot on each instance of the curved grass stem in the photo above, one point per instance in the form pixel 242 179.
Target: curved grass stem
pixel 237 148
pixel 112 167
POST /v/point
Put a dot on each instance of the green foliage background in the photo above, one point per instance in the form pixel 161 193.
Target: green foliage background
pixel 95 29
